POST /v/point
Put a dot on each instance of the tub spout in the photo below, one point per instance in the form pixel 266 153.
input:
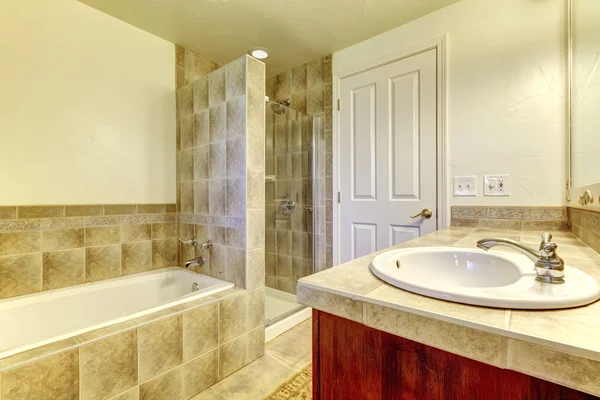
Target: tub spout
pixel 195 262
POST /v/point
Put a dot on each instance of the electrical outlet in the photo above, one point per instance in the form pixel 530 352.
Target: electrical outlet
pixel 465 186
pixel 496 185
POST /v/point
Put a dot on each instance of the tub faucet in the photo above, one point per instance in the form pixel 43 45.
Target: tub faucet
pixel 549 267
pixel 195 262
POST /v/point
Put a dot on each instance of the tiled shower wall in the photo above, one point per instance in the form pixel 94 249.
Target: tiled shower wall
pixel 50 247
pixel 288 171
pixel 309 87
pixel 221 194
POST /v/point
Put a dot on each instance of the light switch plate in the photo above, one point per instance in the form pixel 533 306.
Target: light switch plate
pixel 496 185
pixel 465 186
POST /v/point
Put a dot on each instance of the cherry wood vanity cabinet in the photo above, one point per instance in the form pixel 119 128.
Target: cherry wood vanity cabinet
pixel 352 361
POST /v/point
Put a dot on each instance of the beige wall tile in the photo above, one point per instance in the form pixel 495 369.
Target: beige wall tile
pixel 185 101
pixel 236 117
pixel 217 122
pixel 20 242
pixel 8 212
pixel 255 229
pixel 314 72
pixel 561 226
pixel 186 132
pixel 236 197
pixel 119 209
pixel 201 161
pixel 185 165
pixel 84 211
pixel 21 274
pixel 150 208
pixel 255 268
pixel 233 316
pixel 256 307
pixel 236 266
pixel 187 197
pixel 135 232
pixel 200 373
pixel 217 196
pixel 167 386
pixel 51 378
pixel 40 211
pixel 200 330
pixel 201 197
pixel 216 87
pixel 283 87
pixel 163 230
pixel 58 239
pixel 161 346
pixel 102 235
pixel 131 394
pixel 200 93
pixel 164 252
pixel 217 161
pixel 171 208
pixel 236 77
pixel 256 344
pixel 109 366
pixel 136 257
pixel 64 268
pixel 102 262
pixel 236 157
pixel 233 356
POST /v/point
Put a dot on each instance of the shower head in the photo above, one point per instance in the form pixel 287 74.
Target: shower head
pixel 278 108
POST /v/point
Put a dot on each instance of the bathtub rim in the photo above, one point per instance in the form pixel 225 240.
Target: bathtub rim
pixel 143 317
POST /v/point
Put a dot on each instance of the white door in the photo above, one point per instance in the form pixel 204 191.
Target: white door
pixel 388 154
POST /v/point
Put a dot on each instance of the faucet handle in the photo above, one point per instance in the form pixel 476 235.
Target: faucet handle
pixel 190 242
pixel 548 249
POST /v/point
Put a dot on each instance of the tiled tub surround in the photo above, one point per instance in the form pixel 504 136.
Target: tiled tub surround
pixel 171 354
pixel 585 224
pixel 44 318
pixel 309 86
pixel 511 217
pixel 556 345
pixel 289 175
pixel 51 247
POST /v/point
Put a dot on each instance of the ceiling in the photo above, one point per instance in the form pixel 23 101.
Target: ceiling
pixel 295 31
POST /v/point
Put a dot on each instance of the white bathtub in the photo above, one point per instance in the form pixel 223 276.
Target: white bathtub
pixel 34 320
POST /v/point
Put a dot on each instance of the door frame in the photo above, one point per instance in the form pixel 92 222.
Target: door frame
pixel 439 44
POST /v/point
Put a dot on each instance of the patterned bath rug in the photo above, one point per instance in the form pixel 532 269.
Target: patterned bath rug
pixel 298 387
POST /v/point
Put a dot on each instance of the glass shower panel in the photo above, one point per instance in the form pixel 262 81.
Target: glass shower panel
pixel 289 202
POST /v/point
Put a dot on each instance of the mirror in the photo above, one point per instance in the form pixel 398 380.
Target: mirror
pixel 585 93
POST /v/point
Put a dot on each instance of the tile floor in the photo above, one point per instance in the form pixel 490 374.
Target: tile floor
pixel 284 356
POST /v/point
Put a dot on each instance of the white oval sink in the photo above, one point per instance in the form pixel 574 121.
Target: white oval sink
pixel 473 276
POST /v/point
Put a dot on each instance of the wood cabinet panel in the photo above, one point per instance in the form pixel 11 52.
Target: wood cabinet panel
pixel 353 361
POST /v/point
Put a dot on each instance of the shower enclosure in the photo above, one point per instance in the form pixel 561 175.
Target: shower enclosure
pixel 289 182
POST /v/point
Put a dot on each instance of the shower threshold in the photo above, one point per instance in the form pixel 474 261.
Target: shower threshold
pixel 282 312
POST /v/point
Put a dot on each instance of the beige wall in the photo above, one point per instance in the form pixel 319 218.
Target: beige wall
pixel 505 92
pixel 87 107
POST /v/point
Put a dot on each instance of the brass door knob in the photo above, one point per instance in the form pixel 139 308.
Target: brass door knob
pixel 425 213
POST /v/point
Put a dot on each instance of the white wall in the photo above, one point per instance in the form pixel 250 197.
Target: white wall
pixel 87 107
pixel 505 91
pixel 586 92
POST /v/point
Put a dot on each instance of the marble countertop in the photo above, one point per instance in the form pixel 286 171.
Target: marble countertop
pixel 562 346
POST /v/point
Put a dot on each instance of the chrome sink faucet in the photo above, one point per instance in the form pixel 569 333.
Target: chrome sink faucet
pixel 549 267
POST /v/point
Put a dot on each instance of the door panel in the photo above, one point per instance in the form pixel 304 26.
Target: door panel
pixel 388 156
pixel 364 239
pixel 363 143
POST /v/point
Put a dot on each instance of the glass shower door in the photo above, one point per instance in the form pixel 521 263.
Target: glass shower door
pixel 289 202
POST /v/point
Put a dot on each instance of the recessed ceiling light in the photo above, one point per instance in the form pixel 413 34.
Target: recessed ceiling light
pixel 259 52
